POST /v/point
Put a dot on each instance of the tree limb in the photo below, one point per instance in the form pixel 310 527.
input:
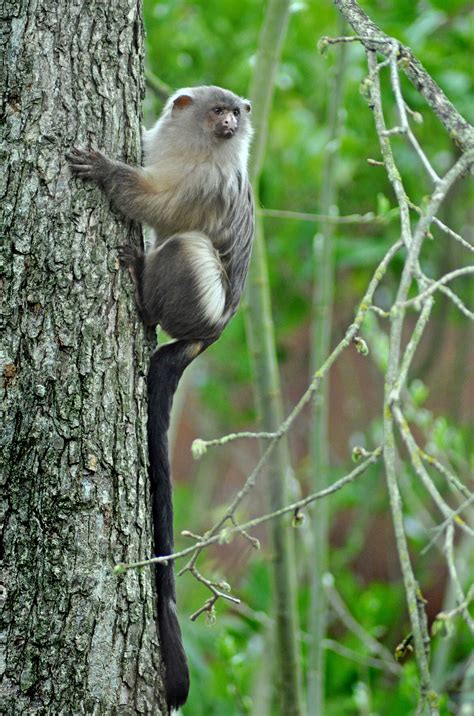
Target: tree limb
pixel 460 131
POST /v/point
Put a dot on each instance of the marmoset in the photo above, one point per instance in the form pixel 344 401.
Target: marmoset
pixel 194 192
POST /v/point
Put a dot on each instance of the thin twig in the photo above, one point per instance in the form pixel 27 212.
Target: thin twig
pixel 253 540
pixel 264 620
pixel 224 534
pixel 461 599
pixel 457 301
pixel 425 281
pixel 325 40
pixel 380 312
pixel 447 616
pixel 411 348
pixel 217 593
pixel 452 479
pixel 405 125
pixel 341 609
pixel 369 218
pixel 199 447
pixel 439 529
pixel 160 88
pixel 387 154
pixel 446 229
pixel 375 663
pixel 422 473
pixel 427 217
pixel 464 271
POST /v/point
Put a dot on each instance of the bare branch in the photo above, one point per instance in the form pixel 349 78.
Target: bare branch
pixel 414 603
pixel 457 302
pixel 225 534
pixel 160 88
pixel 358 658
pixel 200 446
pixel 253 540
pixel 217 589
pixel 439 529
pixel 420 470
pixel 460 609
pixel 434 287
pixel 411 348
pixel 461 132
pixel 324 41
pixel 405 126
pixel 460 598
pixel 452 479
pixel 449 232
pixel 369 218
pixel 386 149
pixel 374 646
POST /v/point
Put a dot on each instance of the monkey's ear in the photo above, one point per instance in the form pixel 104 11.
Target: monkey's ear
pixel 247 106
pixel 182 101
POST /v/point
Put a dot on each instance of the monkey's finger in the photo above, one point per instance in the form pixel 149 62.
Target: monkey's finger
pixel 84 156
pixel 77 154
pixel 85 171
pixel 78 159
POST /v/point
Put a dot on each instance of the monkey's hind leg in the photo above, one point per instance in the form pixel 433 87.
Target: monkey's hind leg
pixel 184 285
pixel 133 258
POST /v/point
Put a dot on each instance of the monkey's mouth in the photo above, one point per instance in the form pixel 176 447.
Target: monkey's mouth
pixel 226 133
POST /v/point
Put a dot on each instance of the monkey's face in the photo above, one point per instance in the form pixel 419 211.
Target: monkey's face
pixel 221 114
pixel 224 121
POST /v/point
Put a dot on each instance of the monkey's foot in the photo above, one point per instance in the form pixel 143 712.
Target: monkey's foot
pixel 130 256
pixel 89 164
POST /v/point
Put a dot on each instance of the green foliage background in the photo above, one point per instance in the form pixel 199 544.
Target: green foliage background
pixel 214 42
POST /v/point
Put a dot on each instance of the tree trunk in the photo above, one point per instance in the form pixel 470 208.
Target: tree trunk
pixel 79 639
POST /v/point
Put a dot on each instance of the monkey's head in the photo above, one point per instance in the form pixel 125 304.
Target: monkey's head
pixel 213 115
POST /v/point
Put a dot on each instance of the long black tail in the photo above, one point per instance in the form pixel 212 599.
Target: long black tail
pixel 166 368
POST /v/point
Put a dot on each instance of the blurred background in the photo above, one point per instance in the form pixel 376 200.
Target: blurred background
pixel 213 42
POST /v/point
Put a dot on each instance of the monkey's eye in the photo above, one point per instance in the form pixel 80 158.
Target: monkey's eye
pixel 236 112
pixel 217 110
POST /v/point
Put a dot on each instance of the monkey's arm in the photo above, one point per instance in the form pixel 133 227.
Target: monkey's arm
pixel 131 189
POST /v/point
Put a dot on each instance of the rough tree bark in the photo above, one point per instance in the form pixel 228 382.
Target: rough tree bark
pixel 79 639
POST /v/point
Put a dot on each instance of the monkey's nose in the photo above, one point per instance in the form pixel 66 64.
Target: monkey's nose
pixel 230 121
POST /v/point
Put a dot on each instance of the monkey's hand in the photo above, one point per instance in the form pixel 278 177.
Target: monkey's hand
pixel 89 164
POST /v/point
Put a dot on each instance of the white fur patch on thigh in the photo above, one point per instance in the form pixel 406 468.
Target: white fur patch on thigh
pixel 209 274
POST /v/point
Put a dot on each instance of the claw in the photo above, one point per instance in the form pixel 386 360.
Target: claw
pixel 86 163
pixel 76 155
